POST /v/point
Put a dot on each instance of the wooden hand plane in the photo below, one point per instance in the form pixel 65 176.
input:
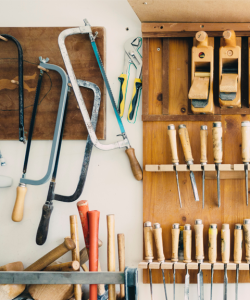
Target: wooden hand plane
pixel 230 70
pixel 201 91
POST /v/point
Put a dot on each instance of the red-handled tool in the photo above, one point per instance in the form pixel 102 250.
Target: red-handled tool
pixel 83 208
pixel 93 217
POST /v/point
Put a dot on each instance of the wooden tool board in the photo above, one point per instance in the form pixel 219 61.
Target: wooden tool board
pixel 43 42
pixel 160 195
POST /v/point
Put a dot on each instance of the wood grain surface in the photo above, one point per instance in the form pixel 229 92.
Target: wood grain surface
pixel 44 42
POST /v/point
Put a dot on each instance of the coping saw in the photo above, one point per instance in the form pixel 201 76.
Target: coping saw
pixel 136 169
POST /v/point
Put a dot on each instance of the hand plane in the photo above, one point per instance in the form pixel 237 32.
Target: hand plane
pixel 201 91
pixel 230 70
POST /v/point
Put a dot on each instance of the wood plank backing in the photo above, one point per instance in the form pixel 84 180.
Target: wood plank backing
pixel 44 42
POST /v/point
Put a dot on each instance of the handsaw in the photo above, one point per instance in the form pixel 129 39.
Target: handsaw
pixel 136 169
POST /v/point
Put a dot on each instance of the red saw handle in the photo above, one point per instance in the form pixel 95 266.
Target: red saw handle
pixel 83 208
pixel 93 217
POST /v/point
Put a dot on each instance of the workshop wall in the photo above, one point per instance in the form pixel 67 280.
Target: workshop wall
pixel 110 186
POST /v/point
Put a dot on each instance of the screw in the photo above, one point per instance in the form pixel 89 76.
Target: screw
pixel 145 3
pixel 183 109
pixel 158 49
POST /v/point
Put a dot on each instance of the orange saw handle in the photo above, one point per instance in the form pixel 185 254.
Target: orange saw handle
pixel 83 208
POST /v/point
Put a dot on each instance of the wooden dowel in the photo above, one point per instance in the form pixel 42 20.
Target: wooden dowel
pixel 64 267
pixel 111 252
pixel 43 69
pixel 3 38
pixel 148 242
pixel 121 256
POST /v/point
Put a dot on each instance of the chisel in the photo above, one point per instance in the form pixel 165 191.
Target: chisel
pixel 238 238
pixel 187 243
pixel 175 244
pixel 212 251
pixel 199 256
pixel 157 232
pixel 149 256
pixel 183 133
pixel 225 254
pixel 203 135
pixel 217 147
pixel 246 230
pixel 245 131
pixel 175 160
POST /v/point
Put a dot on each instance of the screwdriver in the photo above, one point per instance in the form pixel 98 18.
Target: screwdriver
pixel 157 232
pixel 183 133
pixel 148 240
pixel 217 147
pixel 203 135
pixel 175 244
pixel 199 256
pixel 212 251
pixel 225 254
pixel 238 237
pixel 245 130
pixel 187 245
pixel 175 160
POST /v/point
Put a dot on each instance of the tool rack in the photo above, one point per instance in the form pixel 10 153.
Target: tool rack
pixel 129 278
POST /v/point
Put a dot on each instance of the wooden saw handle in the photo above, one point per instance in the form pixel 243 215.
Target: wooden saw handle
pixel 148 241
pixel 121 256
pixel 203 135
pixel 245 131
pixel 175 241
pixel 246 229
pixel 17 214
pixel 135 166
pixel 111 252
pixel 225 243
pixel 238 238
pixel 199 248
pixel 173 143
pixel 187 243
pixel 83 208
pixel 157 232
pixel 185 143
pixel 212 243
pixel 15 266
pixel 217 142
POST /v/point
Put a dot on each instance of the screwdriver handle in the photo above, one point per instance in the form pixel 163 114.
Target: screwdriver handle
pixel 199 248
pixel 157 232
pixel 217 142
pixel 245 131
pixel 212 243
pixel 246 230
pixel 17 214
pixel 238 238
pixel 203 135
pixel 123 78
pixel 148 241
pixel 225 243
pixel 175 241
pixel 187 243
pixel 173 144
pixel 183 133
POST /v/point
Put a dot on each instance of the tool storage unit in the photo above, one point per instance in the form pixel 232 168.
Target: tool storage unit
pixel 168 31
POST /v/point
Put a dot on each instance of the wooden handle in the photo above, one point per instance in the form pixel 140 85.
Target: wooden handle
pixel 217 142
pixel 173 144
pixel 225 243
pixel 111 252
pixel 246 229
pixel 229 38
pixel 148 241
pixel 121 256
pixel 187 243
pixel 203 135
pixel 64 267
pixel 183 133
pixel 3 38
pixel 83 208
pixel 53 255
pixel 84 255
pixel 212 243
pixel 15 266
pixel 199 248
pixel 202 39
pixel 245 131
pixel 43 228
pixel 175 241
pixel 238 238
pixel 135 166
pixel 17 214
pixel 157 232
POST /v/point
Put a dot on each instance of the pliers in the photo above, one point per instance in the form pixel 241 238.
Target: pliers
pixel 134 57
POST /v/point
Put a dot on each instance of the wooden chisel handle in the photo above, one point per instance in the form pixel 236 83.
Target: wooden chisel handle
pixel 64 267
pixel 187 243
pixel 83 208
pixel 157 232
pixel 148 242
pixel 203 135
pixel 111 252
pixel 173 143
pixel 135 166
pixel 245 131
pixel 229 38
pixel 212 243
pixel 53 255
pixel 17 214
pixel 225 243
pixel 185 142
pixel 246 229
pixel 175 241
pixel 121 256
pixel 15 266
pixel 199 248
pixel 217 142
pixel 238 238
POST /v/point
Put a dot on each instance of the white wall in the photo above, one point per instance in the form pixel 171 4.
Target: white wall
pixel 110 187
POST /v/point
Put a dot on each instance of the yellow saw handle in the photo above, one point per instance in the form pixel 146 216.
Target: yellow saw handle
pixel 123 78
pixel 135 99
